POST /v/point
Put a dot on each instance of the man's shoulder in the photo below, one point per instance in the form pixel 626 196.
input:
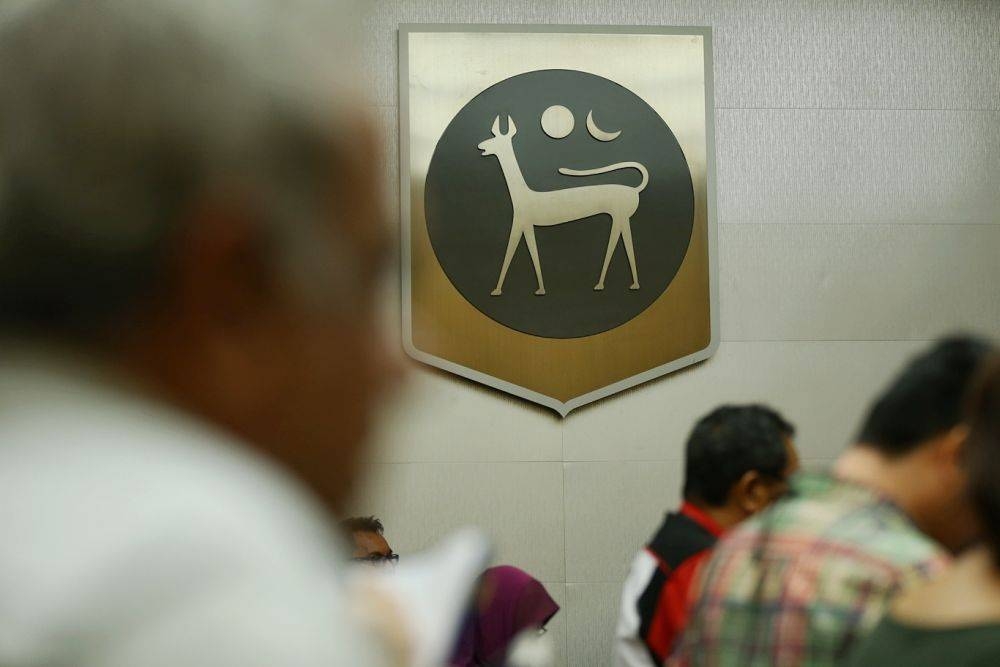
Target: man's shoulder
pixel 679 538
pixel 830 520
pixel 145 491
pixel 123 506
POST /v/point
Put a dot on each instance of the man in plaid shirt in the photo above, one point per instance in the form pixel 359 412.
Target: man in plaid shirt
pixel 802 582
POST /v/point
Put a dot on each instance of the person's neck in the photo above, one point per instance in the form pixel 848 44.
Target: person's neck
pixel 725 516
pixel 867 467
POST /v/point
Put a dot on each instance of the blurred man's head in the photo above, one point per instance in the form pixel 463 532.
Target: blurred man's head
pixel 914 436
pixel 187 190
pixel 737 461
pixel 983 456
pixel 368 543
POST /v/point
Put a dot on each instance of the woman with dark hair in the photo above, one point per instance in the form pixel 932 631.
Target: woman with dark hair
pixel 955 620
pixel 510 603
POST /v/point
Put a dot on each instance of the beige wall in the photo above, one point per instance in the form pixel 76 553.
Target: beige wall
pixel 858 158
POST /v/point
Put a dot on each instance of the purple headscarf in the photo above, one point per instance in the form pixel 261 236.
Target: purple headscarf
pixel 512 601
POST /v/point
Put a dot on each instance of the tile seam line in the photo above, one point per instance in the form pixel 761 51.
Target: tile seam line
pixel 825 108
pixel 806 223
pixel 728 108
pixel 916 339
pixel 568 461
pixel 562 455
pixel 565 513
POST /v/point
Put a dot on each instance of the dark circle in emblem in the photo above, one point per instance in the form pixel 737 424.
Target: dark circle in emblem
pixel 474 204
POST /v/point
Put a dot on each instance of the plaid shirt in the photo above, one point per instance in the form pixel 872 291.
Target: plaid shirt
pixel 802 582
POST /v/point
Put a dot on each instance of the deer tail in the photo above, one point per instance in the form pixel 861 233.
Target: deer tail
pixel 611 167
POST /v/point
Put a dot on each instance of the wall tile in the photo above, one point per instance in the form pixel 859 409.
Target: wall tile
pixel 442 418
pixel 386 121
pixel 822 387
pixel 612 508
pixel 557 626
pixel 593 613
pixel 858 54
pixel 834 166
pixel 518 504
pixel 857 282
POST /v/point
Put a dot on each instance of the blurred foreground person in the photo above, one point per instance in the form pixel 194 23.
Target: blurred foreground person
pixel 955 620
pixel 737 462
pixel 188 249
pixel 801 583
pixel 367 536
pixel 510 602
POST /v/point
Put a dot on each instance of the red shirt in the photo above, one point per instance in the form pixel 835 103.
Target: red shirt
pixel 655 598
pixel 671 613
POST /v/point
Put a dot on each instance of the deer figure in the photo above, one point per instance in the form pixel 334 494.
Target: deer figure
pixel 533 208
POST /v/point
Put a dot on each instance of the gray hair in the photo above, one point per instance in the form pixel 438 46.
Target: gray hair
pixel 115 114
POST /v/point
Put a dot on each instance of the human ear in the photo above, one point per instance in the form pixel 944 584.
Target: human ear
pixel 951 445
pixel 221 270
pixel 221 289
pixel 750 493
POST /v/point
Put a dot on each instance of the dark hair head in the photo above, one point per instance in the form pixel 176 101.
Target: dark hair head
pixel 926 399
pixel 729 442
pixel 983 455
pixel 362 524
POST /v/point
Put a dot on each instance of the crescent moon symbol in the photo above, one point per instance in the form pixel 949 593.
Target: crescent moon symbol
pixel 597 132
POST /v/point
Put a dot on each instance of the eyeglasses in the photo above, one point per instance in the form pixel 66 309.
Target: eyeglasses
pixel 377 559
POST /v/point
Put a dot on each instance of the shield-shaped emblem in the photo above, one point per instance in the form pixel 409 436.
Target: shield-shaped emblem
pixel 557 200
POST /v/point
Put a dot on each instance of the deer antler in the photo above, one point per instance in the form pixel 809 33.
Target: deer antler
pixel 511 128
pixel 496 126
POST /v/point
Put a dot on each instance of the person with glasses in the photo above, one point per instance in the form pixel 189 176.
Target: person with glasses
pixel 367 535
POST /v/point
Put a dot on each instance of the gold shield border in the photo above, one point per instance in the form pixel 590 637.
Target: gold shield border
pixel 441 68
